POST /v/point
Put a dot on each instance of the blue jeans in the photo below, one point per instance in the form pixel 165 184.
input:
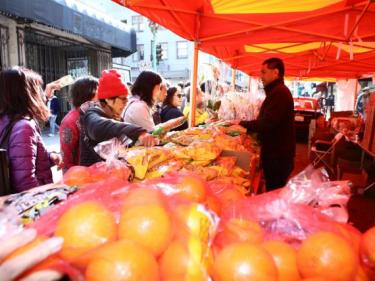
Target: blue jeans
pixel 53 127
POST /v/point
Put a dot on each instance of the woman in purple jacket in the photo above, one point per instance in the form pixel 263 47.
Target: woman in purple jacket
pixel 21 99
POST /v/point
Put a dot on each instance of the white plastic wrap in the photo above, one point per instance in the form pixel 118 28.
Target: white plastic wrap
pixel 243 106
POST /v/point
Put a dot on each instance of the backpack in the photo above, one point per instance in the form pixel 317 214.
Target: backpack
pixel 5 185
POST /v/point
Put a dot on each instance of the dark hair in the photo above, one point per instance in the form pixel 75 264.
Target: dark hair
pixel 21 94
pixel 144 85
pixel 83 90
pixel 188 93
pixel 203 86
pixel 170 94
pixel 276 63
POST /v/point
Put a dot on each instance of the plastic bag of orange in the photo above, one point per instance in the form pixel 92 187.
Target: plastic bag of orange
pixel 81 176
pixel 151 215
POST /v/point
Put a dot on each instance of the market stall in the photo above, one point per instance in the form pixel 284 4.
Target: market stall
pixel 187 215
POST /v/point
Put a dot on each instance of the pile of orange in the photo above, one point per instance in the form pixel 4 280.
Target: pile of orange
pixel 77 175
pixel 327 255
pixel 85 227
pixel 156 237
pixel 80 175
pixel 191 188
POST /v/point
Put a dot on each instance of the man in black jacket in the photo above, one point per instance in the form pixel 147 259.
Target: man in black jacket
pixel 275 125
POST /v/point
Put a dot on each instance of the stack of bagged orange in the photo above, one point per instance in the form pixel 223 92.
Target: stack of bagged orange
pixel 151 236
pixel 165 230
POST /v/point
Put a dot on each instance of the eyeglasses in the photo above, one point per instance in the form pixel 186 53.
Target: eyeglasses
pixel 123 99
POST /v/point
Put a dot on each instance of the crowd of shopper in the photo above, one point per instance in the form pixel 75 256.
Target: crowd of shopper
pixel 102 109
pixel 105 108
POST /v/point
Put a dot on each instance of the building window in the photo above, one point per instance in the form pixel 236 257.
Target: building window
pixel 164 51
pixel 138 23
pixel 182 49
pixel 140 54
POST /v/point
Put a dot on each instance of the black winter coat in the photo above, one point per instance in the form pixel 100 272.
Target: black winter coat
pixel 170 112
pixel 97 127
pixel 275 123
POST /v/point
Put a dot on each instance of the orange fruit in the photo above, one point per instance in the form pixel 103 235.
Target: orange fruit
pixel 367 248
pixel 362 275
pixel 191 188
pixel 100 171
pixel 193 220
pixel 244 261
pixel 122 261
pixel 178 262
pixel 148 225
pixel 351 234
pixel 143 196
pixel 327 255
pixel 84 227
pixel 230 196
pixel 77 175
pixel 285 258
pixel 213 204
pixel 239 230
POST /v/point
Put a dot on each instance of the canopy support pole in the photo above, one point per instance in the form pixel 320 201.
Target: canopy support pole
pixel 358 20
pixel 233 79
pixel 193 87
pixel 355 95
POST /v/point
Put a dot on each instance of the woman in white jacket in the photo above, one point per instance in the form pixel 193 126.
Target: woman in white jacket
pixel 145 92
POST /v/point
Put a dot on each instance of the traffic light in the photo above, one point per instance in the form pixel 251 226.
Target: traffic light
pixel 159 53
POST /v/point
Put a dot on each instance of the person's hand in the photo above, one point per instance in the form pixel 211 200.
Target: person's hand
pixel 12 268
pixel 52 87
pixel 172 123
pixel 56 159
pixel 147 140
pixel 234 121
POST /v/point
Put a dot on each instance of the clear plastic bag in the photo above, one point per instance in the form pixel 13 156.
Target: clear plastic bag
pixel 114 165
pixel 183 197
pixel 237 105
pixel 309 203
pixel 312 187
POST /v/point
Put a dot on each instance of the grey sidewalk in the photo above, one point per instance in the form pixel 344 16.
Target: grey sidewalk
pixel 53 144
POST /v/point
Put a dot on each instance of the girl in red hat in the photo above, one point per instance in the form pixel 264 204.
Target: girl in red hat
pixel 101 120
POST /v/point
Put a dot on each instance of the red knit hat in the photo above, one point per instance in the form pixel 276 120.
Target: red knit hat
pixel 110 85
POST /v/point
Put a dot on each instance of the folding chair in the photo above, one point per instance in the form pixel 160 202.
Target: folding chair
pixel 323 153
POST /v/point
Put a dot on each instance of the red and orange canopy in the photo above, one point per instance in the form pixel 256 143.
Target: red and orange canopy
pixel 330 38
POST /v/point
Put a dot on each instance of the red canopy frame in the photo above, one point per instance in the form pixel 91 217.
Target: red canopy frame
pixel 225 35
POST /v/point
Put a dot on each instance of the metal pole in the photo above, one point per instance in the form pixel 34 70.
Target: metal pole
pixel 153 48
pixel 193 87
pixel 355 95
pixel 233 79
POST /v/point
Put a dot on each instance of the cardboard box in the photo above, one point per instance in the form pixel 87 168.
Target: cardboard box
pixel 243 158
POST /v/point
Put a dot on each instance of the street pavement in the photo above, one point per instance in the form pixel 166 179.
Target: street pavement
pixel 53 144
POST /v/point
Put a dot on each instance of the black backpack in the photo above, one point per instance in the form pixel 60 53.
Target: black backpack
pixel 5 185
